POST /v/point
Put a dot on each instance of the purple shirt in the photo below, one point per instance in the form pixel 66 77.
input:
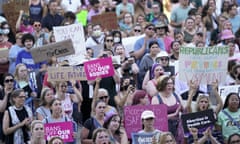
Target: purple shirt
pixel 91 13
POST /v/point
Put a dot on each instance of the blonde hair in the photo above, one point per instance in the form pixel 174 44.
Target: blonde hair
pixel 16 73
pixel 201 96
pixel 34 122
pixel 163 137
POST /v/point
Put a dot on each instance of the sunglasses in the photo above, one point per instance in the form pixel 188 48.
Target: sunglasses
pixel 20 97
pixel 109 40
pixel 63 86
pixel 164 59
pixel 150 28
pixel 37 25
pixel 137 30
pixel 103 97
pixel 9 80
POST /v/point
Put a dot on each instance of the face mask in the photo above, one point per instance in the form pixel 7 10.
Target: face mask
pixel 116 40
pixel 97 33
pixel 6 31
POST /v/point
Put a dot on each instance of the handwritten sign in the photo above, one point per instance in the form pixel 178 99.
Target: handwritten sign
pixel 57 49
pixel 66 73
pixel 133 122
pixel 102 67
pixel 139 138
pixel 204 65
pixel 61 129
pixel 4 52
pixel 129 42
pixel 200 120
pixel 74 32
pixel 225 90
pixel 106 20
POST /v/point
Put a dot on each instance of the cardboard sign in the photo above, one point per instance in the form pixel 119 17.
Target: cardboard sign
pixel 97 49
pixel 101 67
pixel 11 11
pixel 66 73
pixel 57 49
pixel 133 122
pixel 61 129
pixel 225 90
pixel 200 120
pixel 4 52
pixel 107 20
pixel 138 138
pixel 204 65
pixel 74 32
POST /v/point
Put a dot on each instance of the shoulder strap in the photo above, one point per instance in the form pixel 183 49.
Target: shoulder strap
pixel 231 118
pixel 159 99
pixel 95 40
pixel 43 111
pixel 96 123
pixel 176 96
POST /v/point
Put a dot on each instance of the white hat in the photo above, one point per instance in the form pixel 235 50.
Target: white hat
pixel 147 114
pixel 162 54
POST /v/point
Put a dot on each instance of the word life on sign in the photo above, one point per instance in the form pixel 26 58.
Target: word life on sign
pixel 58 49
pixel 66 73
pixel 203 64
pixel 63 130
pixel 200 120
pixel 132 117
pixel 101 67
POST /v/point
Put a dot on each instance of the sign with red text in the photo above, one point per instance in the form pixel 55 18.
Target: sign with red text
pixel 57 49
pixel 101 67
pixel 66 73
pixel 203 64
pixel 133 122
pixel 60 129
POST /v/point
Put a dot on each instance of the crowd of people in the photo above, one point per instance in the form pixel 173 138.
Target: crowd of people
pixel 147 74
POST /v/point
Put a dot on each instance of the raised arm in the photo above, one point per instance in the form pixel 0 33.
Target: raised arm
pixel 218 97
pixel 192 91
pixel 77 96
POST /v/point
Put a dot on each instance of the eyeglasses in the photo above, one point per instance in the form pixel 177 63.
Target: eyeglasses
pixel 21 97
pixel 164 59
pixel 150 28
pixel 63 86
pixel 109 40
pixel 103 97
pixel 9 80
pixel 37 25
pixel 137 30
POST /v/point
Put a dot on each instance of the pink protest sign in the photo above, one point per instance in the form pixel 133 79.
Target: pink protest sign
pixel 101 67
pixel 132 117
pixel 61 129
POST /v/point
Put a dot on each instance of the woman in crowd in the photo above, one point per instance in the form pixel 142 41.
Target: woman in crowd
pixel 36 8
pixel 96 121
pixel 167 96
pixel 108 42
pixel 101 136
pixel 127 23
pixel 189 30
pixel 228 118
pixel 166 138
pixel 17 119
pixel 68 98
pixel 117 133
pixel 44 110
pixel 148 119
pixel 175 49
pixel 137 30
pixel 56 140
pixel 57 114
pixel 117 37
pixel 234 139
pixel 37 133
pixel 140 97
pixel 156 71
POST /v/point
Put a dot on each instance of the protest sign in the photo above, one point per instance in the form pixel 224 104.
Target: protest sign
pixel 107 20
pixel 203 64
pixel 60 129
pixel 140 138
pixel 133 122
pixel 225 90
pixel 129 42
pixel 57 49
pixel 200 120
pixel 97 49
pixel 12 9
pixel 4 52
pixel 74 32
pixel 66 73
pixel 101 67
pixel 82 17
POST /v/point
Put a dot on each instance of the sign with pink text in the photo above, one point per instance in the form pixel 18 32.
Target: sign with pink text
pixel 101 67
pixel 203 64
pixel 133 122
pixel 60 129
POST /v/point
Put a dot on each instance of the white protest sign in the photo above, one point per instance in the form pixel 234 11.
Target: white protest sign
pixel 74 32
pixel 225 90
pixel 129 42
pixel 204 65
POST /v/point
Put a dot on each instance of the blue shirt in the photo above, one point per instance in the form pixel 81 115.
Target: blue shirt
pixel 49 21
pixel 13 52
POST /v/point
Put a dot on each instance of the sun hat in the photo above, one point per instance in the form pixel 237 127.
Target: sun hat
pixel 227 34
pixel 147 114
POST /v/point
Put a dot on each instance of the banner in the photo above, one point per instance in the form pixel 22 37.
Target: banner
pixel 204 65
pixel 200 120
pixel 139 138
pixel 101 67
pixel 82 17
pixel 57 49
pixel 129 42
pixel 107 20
pixel 74 32
pixel 4 52
pixel 66 73
pixel 225 90
pixel 133 122
pixel 60 129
